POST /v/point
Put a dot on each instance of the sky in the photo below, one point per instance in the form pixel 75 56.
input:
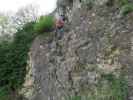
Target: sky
pixel 44 6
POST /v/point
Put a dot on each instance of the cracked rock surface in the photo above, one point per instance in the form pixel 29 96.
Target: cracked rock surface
pixel 99 43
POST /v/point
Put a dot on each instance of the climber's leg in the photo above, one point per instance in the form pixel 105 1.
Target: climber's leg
pixel 60 33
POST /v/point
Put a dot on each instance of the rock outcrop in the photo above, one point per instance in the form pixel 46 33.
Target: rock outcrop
pixel 97 42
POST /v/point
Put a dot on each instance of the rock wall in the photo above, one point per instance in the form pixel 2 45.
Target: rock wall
pixel 98 42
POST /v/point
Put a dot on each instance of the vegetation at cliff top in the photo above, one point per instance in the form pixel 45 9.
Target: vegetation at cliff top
pixel 44 24
pixel 14 56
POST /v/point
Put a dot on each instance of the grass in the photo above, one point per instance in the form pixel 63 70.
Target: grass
pixel 44 24
pixel 109 88
pixel 123 2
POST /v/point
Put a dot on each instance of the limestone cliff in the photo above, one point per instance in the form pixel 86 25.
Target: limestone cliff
pixel 95 50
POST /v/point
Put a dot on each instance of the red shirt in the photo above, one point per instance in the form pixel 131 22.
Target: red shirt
pixel 59 23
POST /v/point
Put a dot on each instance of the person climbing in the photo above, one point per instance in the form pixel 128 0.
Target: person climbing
pixel 60 21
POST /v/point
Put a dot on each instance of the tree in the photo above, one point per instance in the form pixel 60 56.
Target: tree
pixel 25 14
pixel 7 28
pixel 10 23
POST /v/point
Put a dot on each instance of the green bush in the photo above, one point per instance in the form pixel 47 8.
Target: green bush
pixel 13 60
pixel 118 88
pixel 127 9
pixel 75 98
pixel 14 56
pixel 123 2
pixel 44 24
pixel 126 6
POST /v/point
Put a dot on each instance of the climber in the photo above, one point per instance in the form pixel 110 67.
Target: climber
pixel 60 21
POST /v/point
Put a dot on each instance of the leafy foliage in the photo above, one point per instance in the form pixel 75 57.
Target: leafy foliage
pixel 45 23
pixel 126 6
pixel 123 2
pixel 13 60
pixel 127 9
pixel 14 55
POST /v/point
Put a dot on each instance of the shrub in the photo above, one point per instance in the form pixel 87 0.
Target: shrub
pixel 123 2
pixel 118 88
pixel 126 9
pixel 13 60
pixel 44 24
pixel 75 98
pixel 4 93
pixel 14 55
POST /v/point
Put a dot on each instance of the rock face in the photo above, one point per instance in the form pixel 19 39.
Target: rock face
pixel 98 42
